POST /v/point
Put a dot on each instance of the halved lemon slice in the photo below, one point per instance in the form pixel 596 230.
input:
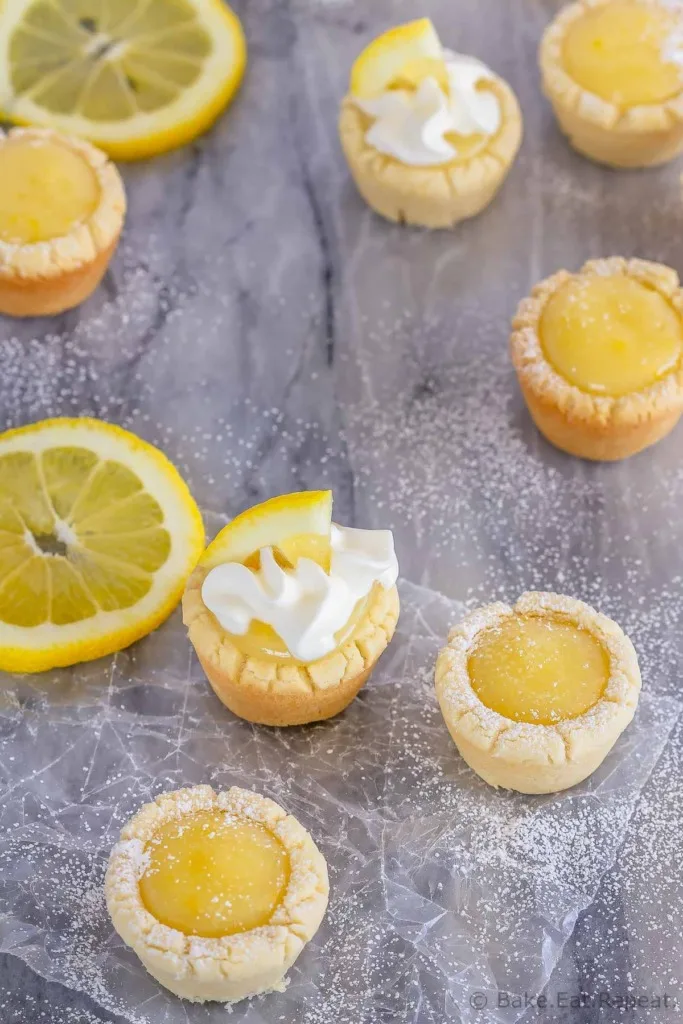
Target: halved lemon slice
pixel 98 534
pixel 404 53
pixel 136 77
pixel 296 525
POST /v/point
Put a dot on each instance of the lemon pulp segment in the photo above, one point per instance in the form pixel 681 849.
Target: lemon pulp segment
pixel 610 335
pixel 538 670
pixel 466 146
pixel 78 535
pixel 107 60
pixel 210 874
pixel 618 51
pixel 46 189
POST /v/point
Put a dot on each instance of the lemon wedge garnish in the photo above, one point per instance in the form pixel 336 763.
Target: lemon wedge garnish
pixel 98 534
pixel 406 53
pixel 295 525
pixel 135 77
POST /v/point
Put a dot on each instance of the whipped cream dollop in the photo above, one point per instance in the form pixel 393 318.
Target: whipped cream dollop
pixel 672 50
pixel 411 126
pixel 305 605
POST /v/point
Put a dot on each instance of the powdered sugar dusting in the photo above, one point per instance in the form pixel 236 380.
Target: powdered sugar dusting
pixel 645 880
pixel 433 874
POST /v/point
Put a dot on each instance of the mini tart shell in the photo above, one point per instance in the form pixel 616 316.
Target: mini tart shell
pixel 236 966
pixel 431 197
pixel 279 693
pixel 519 755
pixel 638 136
pixel 43 278
pixel 591 426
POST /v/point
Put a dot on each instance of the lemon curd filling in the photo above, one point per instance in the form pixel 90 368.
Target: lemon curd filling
pixel 46 189
pixel 538 670
pixel 619 52
pixel 211 875
pixel 467 146
pixel 610 335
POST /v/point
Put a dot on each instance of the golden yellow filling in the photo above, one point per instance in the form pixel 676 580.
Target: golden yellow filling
pixel 620 52
pixel 46 189
pixel 466 146
pixel 538 670
pixel 610 335
pixel 211 875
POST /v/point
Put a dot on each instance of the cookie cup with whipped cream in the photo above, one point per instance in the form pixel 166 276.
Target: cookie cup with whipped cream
pixel 289 613
pixel 429 135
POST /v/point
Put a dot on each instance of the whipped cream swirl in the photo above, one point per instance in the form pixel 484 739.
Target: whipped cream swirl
pixel 672 50
pixel 412 126
pixel 305 606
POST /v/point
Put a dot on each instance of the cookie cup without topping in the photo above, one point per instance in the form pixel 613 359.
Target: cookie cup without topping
pixel 640 136
pixel 236 966
pixel 519 755
pixel 43 278
pixel 438 196
pixel 272 692
pixel 583 424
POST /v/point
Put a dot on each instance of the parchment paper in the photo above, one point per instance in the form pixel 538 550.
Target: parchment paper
pixel 448 898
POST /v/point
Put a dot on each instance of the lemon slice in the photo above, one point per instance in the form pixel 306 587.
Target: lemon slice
pixel 404 53
pixel 296 525
pixel 136 77
pixel 98 534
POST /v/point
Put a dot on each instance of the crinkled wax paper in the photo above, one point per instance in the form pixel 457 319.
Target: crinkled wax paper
pixel 443 890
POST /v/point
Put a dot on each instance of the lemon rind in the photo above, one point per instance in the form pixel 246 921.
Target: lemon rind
pixel 313 507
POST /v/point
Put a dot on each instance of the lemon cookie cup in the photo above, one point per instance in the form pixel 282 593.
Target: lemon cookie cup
pixel 392 166
pixel 431 197
pixel 289 613
pixel 536 695
pixel 62 207
pixel 275 691
pixel 216 893
pixel 599 357
pixel 612 70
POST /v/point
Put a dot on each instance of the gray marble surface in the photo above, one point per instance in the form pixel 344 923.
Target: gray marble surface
pixel 271 334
